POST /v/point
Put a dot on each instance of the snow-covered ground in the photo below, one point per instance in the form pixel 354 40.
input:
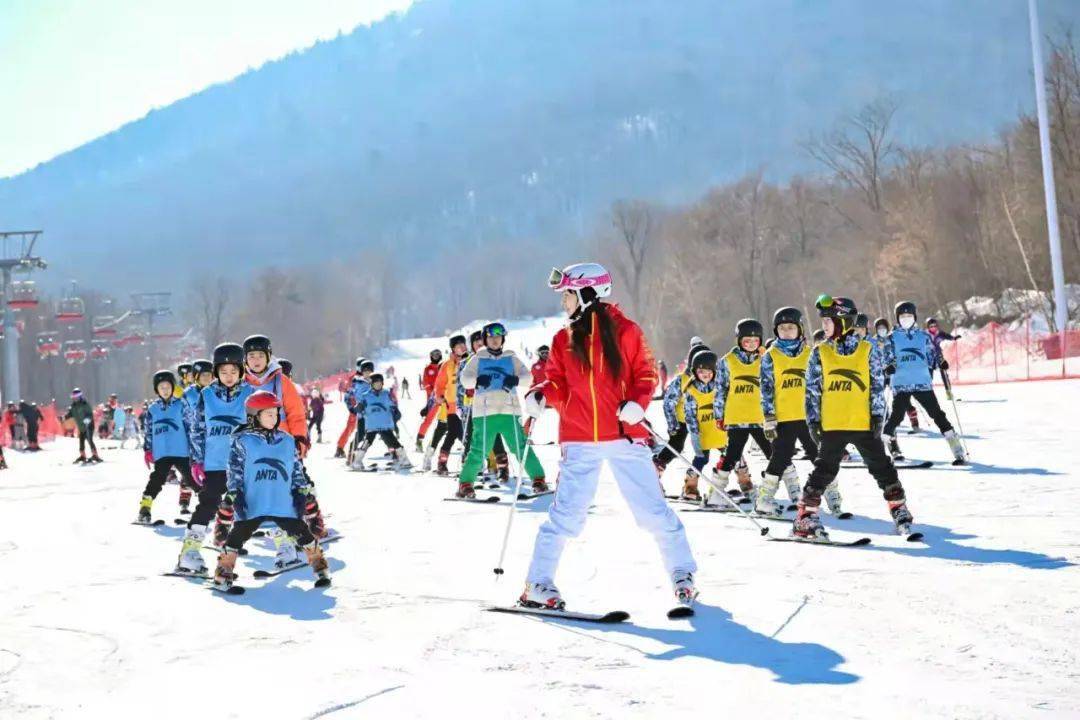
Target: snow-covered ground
pixel 982 621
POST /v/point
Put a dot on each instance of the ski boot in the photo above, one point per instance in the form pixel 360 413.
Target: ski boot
pixel 765 503
pixel 401 461
pixel 894 495
pixel 225 572
pixel 465 491
pixel 94 459
pixel 957 447
pixel 502 468
pixel 685 592
pixel 81 460
pixel 690 488
pixel 539 485
pixel 913 418
pixel 541 595
pixel 339 453
pixel 429 454
pixel 712 498
pixel 807 523
pixel 746 485
pixel 790 478
pixel 318 564
pixel 420 444
pixel 894 447
pixel 185 500
pixel 833 499
pixel 285 546
pixel 190 560
pixel 441 469
pixel 144 509
pixel 359 453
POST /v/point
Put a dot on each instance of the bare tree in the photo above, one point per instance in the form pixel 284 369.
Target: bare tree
pixel 635 228
pixel 211 301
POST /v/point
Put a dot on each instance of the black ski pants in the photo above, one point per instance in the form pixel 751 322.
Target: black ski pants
pixel 736 443
pixel 86 436
pixel 160 474
pixel 209 498
pixel 872 450
pixel 387 436
pixel 902 401
pixel 677 440
pixel 783 447
pixel 453 432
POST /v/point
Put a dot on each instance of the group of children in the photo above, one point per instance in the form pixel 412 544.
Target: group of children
pixel 235 429
pixel 826 396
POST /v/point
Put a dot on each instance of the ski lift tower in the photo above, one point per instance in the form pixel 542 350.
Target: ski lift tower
pixel 151 305
pixel 16 255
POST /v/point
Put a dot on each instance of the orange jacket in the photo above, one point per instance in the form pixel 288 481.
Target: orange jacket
pixel 446 384
pixel 588 399
pixel 273 380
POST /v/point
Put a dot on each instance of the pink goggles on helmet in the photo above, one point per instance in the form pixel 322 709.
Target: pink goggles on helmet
pixel 559 281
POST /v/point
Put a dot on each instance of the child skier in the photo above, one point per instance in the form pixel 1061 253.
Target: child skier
pixel 783 402
pixel 266 483
pixel 265 373
pixel 202 373
pixel 675 410
pixel 359 386
pixel 845 404
pixel 427 382
pixel 350 425
pixel 82 415
pixel 218 412
pixel 705 431
pixel 738 404
pixel 185 374
pixel 911 357
pixel 494 373
pixel 167 425
pixel 446 398
pixel 497 464
pixel 316 412
pixel 377 411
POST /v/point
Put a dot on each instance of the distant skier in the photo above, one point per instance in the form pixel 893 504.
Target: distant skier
pixel 82 415
pixel 316 412
pixel 350 425
pixel 427 382
pixel 379 413
pixel 600 379
pixel 33 418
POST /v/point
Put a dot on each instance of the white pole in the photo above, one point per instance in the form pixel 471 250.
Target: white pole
pixel 1061 309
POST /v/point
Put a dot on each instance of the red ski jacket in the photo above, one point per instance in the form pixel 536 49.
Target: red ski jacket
pixel 539 374
pixel 430 373
pixel 588 399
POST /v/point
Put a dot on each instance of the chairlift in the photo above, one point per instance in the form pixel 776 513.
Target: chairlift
pixel 104 327
pixel 70 310
pixel 99 351
pixel 75 351
pixel 47 344
pixel 24 295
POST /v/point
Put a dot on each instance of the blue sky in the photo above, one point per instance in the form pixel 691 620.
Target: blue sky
pixel 74 70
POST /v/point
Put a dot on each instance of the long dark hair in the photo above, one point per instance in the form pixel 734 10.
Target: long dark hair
pixel 581 328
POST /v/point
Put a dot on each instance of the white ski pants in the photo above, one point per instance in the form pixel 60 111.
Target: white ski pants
pixel 579 473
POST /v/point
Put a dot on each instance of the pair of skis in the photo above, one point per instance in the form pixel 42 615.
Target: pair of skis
pixel 608 618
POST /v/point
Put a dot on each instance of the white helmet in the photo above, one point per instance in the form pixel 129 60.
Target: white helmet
pixel 579 276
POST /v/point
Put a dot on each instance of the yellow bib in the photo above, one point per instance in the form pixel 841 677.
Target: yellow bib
pixel 743 406
pixel 680 406
pixel 789 382
pixel 712 437
pixel 845 388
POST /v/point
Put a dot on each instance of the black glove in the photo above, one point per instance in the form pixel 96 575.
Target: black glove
pixel 944 364
pixel 396 414
pixel 510 382
pixel 483 381
pixel 890 369
pixel 815 431
pixel 876 424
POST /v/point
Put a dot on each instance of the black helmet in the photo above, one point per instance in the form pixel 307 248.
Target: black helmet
pixel 841 309
pixel 704 358
pixel 183 369
pixel 476 336
pixel 457 340
pixel 819 335
pixel 376 377
pixel 543 349
pixel 228 354
pixel 906 308
pixel 862 321
pixel 435 355
pixel 881 321
pixel 360 361
pixel 696 344
pixel 257 342
pixel 368 365
pixel 286 367
pixel 201 365
pixel 931 321
pixel 164 376
pixel 748 327
pixel 787 315
pixel 494 329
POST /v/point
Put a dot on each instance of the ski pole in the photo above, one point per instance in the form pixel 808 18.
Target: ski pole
pixel 956 411
pixel 513 504
pixel 717 488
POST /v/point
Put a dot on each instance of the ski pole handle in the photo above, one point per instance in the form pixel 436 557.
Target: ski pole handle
pixel 717 488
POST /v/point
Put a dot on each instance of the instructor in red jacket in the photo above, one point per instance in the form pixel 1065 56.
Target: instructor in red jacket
pixel 600 378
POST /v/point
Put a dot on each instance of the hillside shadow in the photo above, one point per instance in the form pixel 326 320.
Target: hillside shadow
pixel 714 635
pixel 939 543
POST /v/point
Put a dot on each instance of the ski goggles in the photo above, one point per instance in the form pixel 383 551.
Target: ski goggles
pixel 559 280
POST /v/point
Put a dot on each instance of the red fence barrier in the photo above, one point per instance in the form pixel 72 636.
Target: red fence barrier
pixel 996 353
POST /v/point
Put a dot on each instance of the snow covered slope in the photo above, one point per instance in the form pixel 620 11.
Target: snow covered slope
pixel 982 621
